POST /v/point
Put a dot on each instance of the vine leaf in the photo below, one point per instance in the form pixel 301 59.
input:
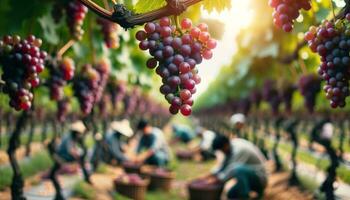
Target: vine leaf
pixel 143 6
pixel 49 29
pixel 210 5
pixel 216 5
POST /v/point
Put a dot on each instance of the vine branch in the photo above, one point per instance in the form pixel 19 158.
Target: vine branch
pixel 128 19
pixel 65 48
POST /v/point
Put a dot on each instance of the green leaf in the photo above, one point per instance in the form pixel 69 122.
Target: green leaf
pixel 322 14
pixel 217 5
pixel 49 29
pixel 148 5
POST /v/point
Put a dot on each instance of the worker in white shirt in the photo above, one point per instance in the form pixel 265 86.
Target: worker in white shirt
pixel 244 162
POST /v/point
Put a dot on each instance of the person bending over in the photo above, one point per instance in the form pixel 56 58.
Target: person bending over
pixel 182 133
pixel 152 148
pixel 242 161
pixel 111 149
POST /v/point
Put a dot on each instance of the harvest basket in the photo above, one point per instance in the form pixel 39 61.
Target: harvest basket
pixel 131 190
pixel 160 179
pixel 198 191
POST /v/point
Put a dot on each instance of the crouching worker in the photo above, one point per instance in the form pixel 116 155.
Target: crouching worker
pixel 182 133
pixel 204 147
pixel 111 149
pixel 71 149
pixel 152 148
pixel 243 162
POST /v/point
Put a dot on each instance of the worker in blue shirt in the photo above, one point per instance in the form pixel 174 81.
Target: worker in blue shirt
pixel 182 133
pixel 111 148
pixel 152 148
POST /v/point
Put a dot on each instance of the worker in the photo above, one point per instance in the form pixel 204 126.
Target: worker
pixel 244 162
pixel 152 148
pixel 111 148
pixel 182 133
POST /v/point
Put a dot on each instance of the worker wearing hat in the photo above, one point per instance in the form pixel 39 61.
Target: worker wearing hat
pixel 238 120
pixel 69 149
pixel 113 150
pixel 204 147
pixel 152 147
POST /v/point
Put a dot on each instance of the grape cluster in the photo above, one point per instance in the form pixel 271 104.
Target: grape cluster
pixel 85 85
pixel 103 67
pixel 22 61
pixel 286 11
pixel 110 33
pixel 271 95
pixel 76 13
pixel 60 72
pixel 130 101
pixel 255 97
pixel 176 51
pixel 287 96
pixel 63 107
pixel 117 90
pixel 332 43
pixel 310 86
pixel 132 179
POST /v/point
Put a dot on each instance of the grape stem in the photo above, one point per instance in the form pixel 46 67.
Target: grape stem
pixel 128 19
pixel 65 47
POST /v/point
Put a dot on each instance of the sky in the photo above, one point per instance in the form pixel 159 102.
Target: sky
pixel 234 19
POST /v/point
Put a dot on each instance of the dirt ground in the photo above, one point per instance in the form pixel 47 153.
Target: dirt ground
pixel 277 189
pixel 20 153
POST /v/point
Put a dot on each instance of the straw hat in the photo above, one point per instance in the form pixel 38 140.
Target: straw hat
pixel 237 118
pixel 78 126
pixel 122 127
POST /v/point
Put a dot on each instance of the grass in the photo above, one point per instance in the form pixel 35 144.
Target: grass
pixel 39 162
pixel 102 168
pixel 343 172
pixel 190 170
pixel 84 191
pixel 23 138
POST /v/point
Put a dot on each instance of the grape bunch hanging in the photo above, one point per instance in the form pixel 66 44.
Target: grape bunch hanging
pixel 332 42
pixel 175 53
pixel 103 67
pixel 117 90
pixel 63 108
pixel 22 61
pixel 310 86
pixel 85 86
pixel 110 33
pixel 287 96
pixel 286 11
pixel 60 72
pixel 75 14
pixel 271 95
